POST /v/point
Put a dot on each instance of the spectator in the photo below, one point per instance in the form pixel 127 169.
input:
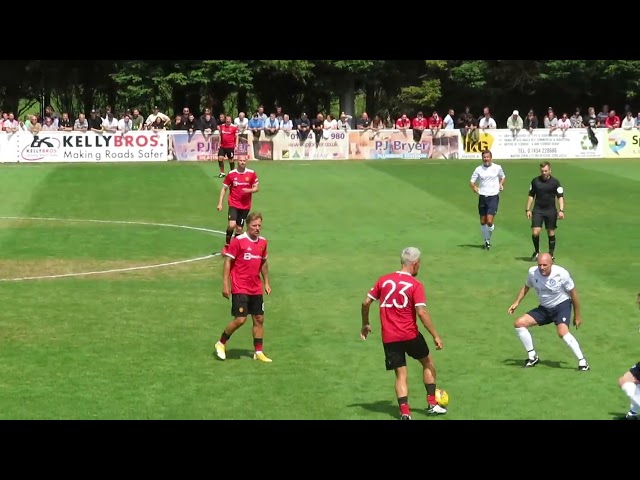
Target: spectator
pixel 612 121
pixel 515 123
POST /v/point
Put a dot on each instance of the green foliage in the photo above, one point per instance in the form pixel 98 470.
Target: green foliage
pixel 427 94
pixel 471 75
pixel 388 85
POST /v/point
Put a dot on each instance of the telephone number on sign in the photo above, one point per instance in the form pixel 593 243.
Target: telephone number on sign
pixel 538 150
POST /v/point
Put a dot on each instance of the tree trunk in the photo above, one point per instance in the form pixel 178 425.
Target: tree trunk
pixel 11 100
pixel 87 99
pixel 241 102
pixel 178 98
pixel 370 100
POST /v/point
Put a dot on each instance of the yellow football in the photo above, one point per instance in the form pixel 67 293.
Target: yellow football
pixel 442 397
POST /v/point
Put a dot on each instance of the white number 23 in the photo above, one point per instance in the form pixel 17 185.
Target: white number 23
pixel 396 298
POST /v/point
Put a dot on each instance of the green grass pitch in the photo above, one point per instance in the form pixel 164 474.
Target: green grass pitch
pixel 138 344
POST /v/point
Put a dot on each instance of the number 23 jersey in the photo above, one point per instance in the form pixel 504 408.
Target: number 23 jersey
pixel 399 294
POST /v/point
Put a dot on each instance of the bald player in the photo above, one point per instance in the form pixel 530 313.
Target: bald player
pixel 630 385
pixel 557 296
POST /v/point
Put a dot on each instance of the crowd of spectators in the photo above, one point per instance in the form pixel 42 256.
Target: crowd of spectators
pixel 260 122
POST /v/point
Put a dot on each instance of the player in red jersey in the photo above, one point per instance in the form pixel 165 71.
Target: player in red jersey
pixel 245 261
pixel 228 143
pixel 401 296
pixel 241 183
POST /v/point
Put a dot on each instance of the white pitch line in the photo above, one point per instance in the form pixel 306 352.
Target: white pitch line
pixel 114 270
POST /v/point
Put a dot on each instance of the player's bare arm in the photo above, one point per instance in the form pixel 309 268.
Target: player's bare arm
pixel 529 203
pixel 577 313
pixel 253 189
pixel 561 208
pixel 226 277
pixel 502 180
pixel 521 294
pixel 222 194
pixel 364 313
pixel 264 271
pixel 474 187
pixel 425 318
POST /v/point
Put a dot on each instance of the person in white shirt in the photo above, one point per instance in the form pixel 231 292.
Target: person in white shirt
pixel 557 295
pixel 487 120
pixel 286 125
pixel 515 123
pixel 152 118
pixel 487 180
pixel 629 122
pixel 449 122
pixel 344 122
pixel 110 123
pixel 564 124
pixel 242 122
pixel 125 124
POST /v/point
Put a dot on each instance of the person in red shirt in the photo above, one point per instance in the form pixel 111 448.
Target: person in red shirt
pixel 241 183
pixel 613 120
pixel 419 124
pixel 228 143
pixel 244 263
pixel 403 122
pixel 401 297
pixel 435 123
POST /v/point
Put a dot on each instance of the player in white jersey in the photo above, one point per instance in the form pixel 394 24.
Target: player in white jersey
pixel 487 181
pixel 630 384
pixel 557 296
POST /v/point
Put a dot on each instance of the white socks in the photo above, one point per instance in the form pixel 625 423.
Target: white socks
pixel 487 231
pixel 575 347
pixel 527 341
pixel 633 392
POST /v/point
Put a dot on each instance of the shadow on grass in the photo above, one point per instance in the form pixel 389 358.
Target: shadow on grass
pixel 471 245
pixel 512 362
pixel 620 416
pixel 381 406
pixel 525 259
pixel 236 354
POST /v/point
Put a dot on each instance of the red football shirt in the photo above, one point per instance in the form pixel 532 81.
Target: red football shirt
pixel 235 181
pixel 435 123
pixel 228 135
pixel 399 294
pixel 419 122
pixel 248 256
pixel 400 123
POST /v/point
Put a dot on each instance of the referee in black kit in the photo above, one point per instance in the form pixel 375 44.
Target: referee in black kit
pixel 545 189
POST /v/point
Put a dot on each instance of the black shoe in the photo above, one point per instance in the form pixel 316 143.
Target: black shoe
pixel 487 245
pixel 405 417
pixel 534 257
pixel 584 368
pixel 531 362
pixel 221 175
pixel 553 259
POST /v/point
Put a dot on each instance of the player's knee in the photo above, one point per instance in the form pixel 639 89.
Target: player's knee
pixel 622 380
pixel 240 321
pixel 520 322
pixel 562 330
pixel 551 233
pixel 232 225
pixel 258 319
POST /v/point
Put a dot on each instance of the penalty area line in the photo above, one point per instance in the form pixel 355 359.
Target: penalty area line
pixel 113 270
